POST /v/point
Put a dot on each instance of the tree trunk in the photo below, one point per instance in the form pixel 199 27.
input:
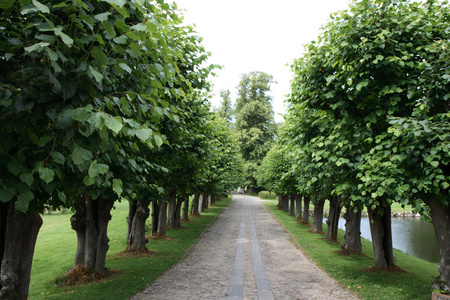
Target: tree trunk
pixel 213 200
pixel 286 202
pixel 318 217
pixel 136 239
pixel 292 205
pixel 90 222
pixel 306 201
pixel 298 206
pixel 441 224
pixel 132 207
pixel 352 237
pixel 333 218
pixel 177 216
pixel 155 217
pixel 380 229
pixel 162 219
pixel 195 204
pixel 18 234
pixel 185 216
pixel 172 203
pixel 250 190
pixel 280 201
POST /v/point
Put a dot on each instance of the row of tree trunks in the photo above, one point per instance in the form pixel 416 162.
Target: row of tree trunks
pixel 185 217
pixel 90 222
pixel 18 234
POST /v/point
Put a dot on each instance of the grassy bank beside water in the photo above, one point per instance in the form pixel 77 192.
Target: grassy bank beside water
pixel 355 272
pixel 56 246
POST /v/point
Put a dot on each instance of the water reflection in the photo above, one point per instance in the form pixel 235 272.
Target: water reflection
pixel 409 235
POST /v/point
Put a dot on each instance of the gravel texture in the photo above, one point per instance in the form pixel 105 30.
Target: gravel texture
pixel 213 264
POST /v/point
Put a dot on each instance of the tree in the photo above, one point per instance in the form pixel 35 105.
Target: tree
pixel 371 71
pixel 226 108
pixel 77 103
pixel 255 124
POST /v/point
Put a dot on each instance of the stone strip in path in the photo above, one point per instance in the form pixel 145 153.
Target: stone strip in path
pixel 243 244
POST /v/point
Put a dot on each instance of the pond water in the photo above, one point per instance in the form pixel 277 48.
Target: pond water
pixel 409 235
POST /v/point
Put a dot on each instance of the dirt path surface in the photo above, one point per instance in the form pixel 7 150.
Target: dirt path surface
pixel 245 254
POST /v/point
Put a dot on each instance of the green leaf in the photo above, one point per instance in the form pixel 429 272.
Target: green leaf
pixel 117 186
pixel 96 169
pixel 144 134
pixel 362 84
pixel 99 56
pixel 65 38
pixel 88 181
pixel 81 113
pixel 14 167
pixel 109 29
pixel 85 154
pixel 43 8
pixel 435 163
pixel 38 47
pixel 158 140
pixel 27 178
pixel 97 75
pixel 51 54
pixel 23 201
pixel 5 4
pixel 125 67
pixel 62 196
pixel 6 194
pixel 115 124
pixel 102 17
pixel 117 2
pixel 46 174
pixel 44 140
pixel 58 157
pixel 98 119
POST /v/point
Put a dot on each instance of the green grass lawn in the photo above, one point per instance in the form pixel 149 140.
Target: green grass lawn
pixel 353 272
pixel 56 246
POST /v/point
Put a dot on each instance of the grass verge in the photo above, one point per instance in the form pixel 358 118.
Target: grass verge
pixel 354 272
pixel 56 246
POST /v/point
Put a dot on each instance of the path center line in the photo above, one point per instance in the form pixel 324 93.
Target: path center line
pixel 262 283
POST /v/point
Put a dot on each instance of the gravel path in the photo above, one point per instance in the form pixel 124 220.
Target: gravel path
pixel 245 254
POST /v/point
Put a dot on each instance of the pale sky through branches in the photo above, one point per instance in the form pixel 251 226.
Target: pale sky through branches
pixel 257 35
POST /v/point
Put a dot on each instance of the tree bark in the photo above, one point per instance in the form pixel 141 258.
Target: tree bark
pixel 298 206
pixel 195 204
pixel 352 237
pixel 136 239
pixel 18 234
pixel 441 224
pixel 132 207
pixel 90 222
pixel 306 201
pixel 155 217
pixel 177 216
pixel 292 205
pixel 280 201
pixel 162 219
pixel 318 217
pixel 285 202
pixel 185 216
pixel 171 203
pixel 333 218
pixel 380 229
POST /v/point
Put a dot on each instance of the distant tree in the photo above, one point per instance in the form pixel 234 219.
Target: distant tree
pixel 255 125
pixel 226 108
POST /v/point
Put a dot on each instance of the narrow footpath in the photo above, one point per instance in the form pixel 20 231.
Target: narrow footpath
pixel 245 254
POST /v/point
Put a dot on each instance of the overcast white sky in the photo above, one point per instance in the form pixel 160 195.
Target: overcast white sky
pixel 257 35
